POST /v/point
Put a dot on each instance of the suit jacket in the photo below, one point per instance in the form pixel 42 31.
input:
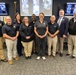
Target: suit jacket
pixel 63 29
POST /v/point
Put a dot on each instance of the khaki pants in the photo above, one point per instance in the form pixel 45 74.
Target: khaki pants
pixel 72 45
pixel 11 48
pixel 60 44
pixel 27 48
pixel 1 48
pixel 52 42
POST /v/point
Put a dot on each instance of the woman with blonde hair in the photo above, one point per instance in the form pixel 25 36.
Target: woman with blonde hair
pixel 27 33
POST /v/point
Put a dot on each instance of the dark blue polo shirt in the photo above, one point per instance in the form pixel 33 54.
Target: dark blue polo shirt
pixel 17 24
pixel 10 30
pixel 52 28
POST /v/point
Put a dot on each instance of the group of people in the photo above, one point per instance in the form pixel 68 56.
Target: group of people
pixel 28 35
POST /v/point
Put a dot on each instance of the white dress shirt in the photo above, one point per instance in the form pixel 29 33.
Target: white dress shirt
pixel 60 20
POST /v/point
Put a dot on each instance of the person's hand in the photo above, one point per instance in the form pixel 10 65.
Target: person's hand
pixel 64 36
pixel 51 35
pixel 39 36
pixel 42 36
pixel 27 37
pixel 13 38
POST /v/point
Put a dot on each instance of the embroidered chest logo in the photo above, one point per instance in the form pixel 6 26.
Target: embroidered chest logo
pixel 44 23
pixel 14 26
pixel 54 26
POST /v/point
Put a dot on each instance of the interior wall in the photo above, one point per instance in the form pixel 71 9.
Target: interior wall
pixel 62 3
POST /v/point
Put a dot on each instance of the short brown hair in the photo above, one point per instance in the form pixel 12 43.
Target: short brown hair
pixel 42 13
pixel 16 15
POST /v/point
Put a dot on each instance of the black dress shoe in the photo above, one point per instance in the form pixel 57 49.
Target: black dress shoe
pixel 72 57
pixel 61 54
pixel 57 52
pixel 54 57
pixel 20 55
pixel 49 56
pixel 29 57
pixel 67 54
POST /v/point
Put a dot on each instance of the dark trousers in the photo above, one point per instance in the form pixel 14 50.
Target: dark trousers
pixel 19 46
pixel 41 46
pixel 34 46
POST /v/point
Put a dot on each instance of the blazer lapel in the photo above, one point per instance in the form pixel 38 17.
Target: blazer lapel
pixel 62 20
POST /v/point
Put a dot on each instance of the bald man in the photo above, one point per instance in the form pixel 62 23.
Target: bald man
pixel 10 33
pixel 53 30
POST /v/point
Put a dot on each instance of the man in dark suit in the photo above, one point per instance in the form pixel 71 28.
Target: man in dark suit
pixel 63 30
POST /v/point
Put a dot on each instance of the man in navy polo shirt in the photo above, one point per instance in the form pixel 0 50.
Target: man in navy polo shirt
pixel 53 30
pixel 10 33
